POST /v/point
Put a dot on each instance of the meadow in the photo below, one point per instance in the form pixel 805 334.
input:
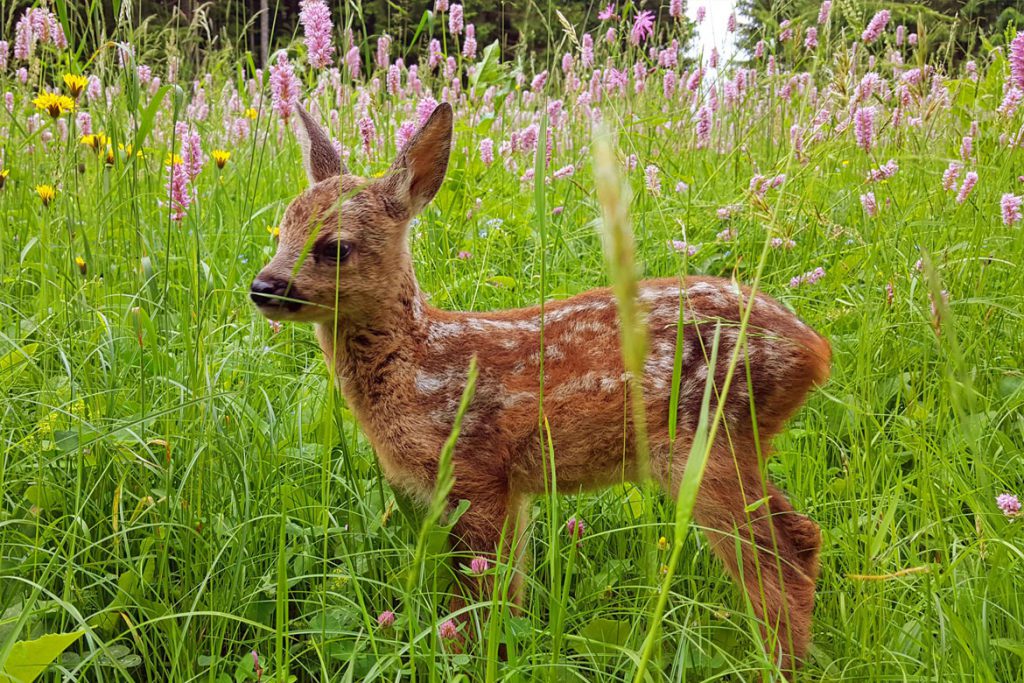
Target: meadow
pixel 185 495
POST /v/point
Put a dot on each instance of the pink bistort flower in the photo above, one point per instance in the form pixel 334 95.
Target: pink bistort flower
pixel 970 180
pixel 1009 504
pixel 284 86
pixel 1010 205
pixel 1017 60
pixel 315 18
pixel 875 27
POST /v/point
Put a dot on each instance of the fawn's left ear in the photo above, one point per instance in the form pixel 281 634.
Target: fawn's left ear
pixel 419 170
pixel 319 156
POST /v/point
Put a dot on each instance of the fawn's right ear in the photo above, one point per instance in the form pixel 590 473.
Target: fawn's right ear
pixel 319 156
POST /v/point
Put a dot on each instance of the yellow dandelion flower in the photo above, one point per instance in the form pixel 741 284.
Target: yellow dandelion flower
pixel 251 113
pixel 220 157
pixel 53 104
pixel 3 177
pixel 80 262
pixel 274 231
pixel 128 150
pixel 172 159
pixel 75 84
pixel 845 162
pixel 663 544
pixel 96 141
pixel 46 193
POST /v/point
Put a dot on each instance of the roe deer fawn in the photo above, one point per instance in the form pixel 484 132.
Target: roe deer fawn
pixel 402 366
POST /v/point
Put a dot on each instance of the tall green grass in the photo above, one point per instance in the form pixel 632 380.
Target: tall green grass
pixel 184 486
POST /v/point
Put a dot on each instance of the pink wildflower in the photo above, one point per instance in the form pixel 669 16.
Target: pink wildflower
pixel 354 63
pixel 564 172
pixel 383 51
pixel 759 49
pixel 901 32
pixel 425 108
pixel 864 120
pixel 487 151
pixel 469 44
pixel 652 180
pixel 809 278
pixel 824 11
pixel 180 198
pixel 1017 60
pixel 440 6
pixel 316 24
pixel 1010 204
pixel 970 179
pixel 682 247
pixel 787 31
pixel 479 564
pixel 368 132
pixel 1009 504
pixel 701 13
pixel 884 172
pixel 730 25
pixel 191 149
pixel 284 86
pixel 912 39
pixel 867 200
pixel 1012 97
pixel 950 176
pixel 447 630
pixel 966 147
pixel 703 127
pixel 5 51
pixel 404 134
pixel 668 84
pixel 875 27
pixel 643 27
pixel 455 19
pixel 811 38
pixel 675 9
pixel 394 80
pixel 386 619
pixel 682 187
pixel 727 235
pixel 587 51
pixel 575 528
pixel 607 13
pixel 465 255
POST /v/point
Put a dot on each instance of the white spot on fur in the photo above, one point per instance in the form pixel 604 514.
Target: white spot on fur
pixel 430 384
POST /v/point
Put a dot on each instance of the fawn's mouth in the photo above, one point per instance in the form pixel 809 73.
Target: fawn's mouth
pixel 274 297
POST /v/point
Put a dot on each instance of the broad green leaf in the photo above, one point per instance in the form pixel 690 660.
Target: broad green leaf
pixel 16 361
pixel 29 658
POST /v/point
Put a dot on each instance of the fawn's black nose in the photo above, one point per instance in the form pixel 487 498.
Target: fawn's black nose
pixel 273 292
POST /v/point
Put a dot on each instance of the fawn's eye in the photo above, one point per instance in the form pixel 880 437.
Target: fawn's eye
pixel 333 250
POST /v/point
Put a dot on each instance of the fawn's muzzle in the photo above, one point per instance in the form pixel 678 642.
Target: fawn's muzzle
pixel 274 293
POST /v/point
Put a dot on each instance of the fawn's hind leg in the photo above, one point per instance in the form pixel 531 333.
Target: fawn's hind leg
pixel 770 550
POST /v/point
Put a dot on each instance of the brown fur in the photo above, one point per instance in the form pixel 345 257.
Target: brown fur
pixel 402 367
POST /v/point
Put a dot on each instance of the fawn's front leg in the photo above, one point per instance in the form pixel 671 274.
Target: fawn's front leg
pixel 495 521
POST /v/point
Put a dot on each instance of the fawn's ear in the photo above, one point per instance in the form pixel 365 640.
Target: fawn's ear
pixel 419 170
pixel 319 156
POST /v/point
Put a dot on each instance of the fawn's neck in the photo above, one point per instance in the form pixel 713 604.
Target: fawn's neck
pixel 374 354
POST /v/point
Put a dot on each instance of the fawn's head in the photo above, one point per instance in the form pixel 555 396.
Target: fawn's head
pixel 343 245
